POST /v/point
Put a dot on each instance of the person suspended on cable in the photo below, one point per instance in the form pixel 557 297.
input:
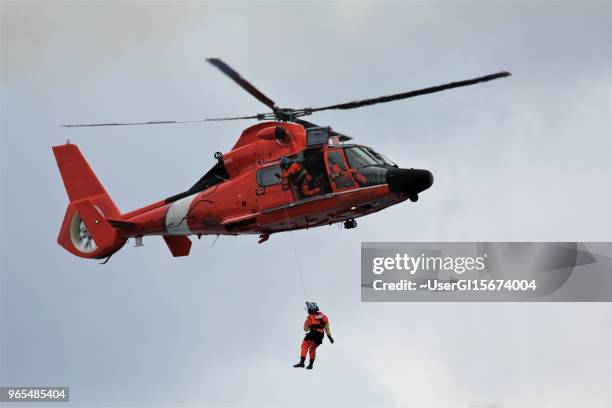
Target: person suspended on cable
pixel 294 171
pixel 315 326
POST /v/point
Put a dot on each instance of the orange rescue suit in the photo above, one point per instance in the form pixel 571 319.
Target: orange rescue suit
pixel 315 324
pixel 302 179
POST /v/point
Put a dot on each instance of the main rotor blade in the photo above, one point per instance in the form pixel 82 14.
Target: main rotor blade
pixel 410 94
pixel 159 122
pixel 246 85
pixel 234 118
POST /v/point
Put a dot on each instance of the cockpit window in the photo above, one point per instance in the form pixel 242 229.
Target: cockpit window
pixel 358 157
pixel 335 161
pixel 337 170
pixel 370 176
pixel 372 153
pixel 381 157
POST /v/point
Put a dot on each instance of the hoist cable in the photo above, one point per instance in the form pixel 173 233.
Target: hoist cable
pixel 297 259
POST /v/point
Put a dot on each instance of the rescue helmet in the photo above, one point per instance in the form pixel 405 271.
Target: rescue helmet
pixel 285 163
pixel 312 307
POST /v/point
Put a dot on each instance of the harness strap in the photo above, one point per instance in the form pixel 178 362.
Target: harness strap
pixel 319 326
pixel 301 175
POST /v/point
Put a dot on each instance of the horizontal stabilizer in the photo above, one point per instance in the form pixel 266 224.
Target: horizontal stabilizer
pixel 119 224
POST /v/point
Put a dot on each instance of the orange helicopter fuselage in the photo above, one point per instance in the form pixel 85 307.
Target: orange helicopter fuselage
pixel 243 194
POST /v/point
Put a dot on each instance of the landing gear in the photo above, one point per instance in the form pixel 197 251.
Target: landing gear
pixel 350 224
pixel 413 197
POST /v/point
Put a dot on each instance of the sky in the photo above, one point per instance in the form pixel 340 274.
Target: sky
pixel 526 158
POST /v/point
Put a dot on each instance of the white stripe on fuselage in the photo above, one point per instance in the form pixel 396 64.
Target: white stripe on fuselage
pixel 176 217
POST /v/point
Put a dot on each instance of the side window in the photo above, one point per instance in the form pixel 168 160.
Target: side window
pixel 335 161
pixel 337 169
pixel 268 176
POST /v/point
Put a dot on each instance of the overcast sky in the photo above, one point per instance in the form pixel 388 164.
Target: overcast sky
pixel 527 158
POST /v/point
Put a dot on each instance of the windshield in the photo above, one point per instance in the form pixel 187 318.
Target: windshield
pixel 358 157
pixel 382 157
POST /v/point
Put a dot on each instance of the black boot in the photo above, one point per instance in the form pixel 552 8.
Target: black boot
pixel 301 363
pixel 310 364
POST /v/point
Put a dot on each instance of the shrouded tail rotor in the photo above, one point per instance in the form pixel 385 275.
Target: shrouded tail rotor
pixel 80 235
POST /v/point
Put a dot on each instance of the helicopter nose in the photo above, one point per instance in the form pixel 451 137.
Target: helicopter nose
pixel 409 181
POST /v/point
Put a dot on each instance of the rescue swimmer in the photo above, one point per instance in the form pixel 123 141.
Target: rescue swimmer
pixel 315 326
pixel 301 178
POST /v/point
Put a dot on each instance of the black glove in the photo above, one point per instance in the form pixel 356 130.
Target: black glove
pixel 331 340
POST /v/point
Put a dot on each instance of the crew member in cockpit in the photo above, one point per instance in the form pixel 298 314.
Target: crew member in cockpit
pixel 301 178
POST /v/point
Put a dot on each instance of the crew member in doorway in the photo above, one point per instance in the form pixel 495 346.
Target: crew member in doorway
pixel 315 326
pixel 300 177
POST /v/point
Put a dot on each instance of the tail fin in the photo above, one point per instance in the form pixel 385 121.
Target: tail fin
pixel 85 231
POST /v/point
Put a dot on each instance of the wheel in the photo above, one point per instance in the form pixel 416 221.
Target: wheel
pixel 350 224
pixel 414 198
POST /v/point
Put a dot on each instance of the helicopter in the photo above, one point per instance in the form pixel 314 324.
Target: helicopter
pixel 245 192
